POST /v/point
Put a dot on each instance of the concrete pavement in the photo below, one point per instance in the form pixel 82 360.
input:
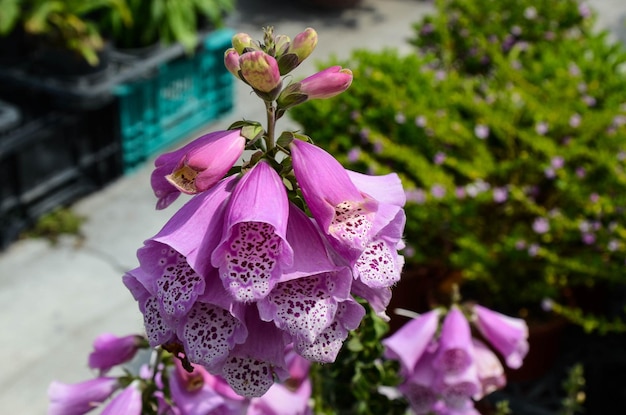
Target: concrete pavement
pixel 54 300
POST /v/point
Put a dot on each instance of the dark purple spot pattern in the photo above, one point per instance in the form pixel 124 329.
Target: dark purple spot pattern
pixel 377 267
pixel 248 377
pixel 351 224
pixel 157 329
pixel 305 306
pixel 251 260
pixel 327 345
pixel 207 333
pixel 179 285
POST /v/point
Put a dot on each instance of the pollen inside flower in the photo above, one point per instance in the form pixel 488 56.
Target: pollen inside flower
pixel 157 330
pixel 251 260
pixel 377 267
pixel 248 377
pixel 305 306
pixel 207 333
pixel 351 224
pixel 179 285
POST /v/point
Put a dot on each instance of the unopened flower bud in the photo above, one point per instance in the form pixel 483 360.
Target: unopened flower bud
pixel 260 71
pixel 281 44
pixel 304 43
pixel 241 42
pixel 231 61
pixel 325 84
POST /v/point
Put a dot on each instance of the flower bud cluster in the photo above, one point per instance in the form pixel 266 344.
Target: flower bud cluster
pixel 262 66
pixel 445 368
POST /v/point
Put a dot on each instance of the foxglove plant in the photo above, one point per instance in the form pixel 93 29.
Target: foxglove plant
pixel 445 367
pixel 269 257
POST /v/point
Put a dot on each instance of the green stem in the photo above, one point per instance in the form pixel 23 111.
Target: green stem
pixel 271 125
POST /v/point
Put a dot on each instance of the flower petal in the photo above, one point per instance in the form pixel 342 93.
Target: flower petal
pixel 80 398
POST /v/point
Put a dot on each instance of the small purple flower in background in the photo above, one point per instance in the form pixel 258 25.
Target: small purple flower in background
pixel 541 128
pixel 440 75
pixel 594 197
pixel 477 187
pixel 439 158
pixel 420 121
pixel 533 250
pixel 460 193
pixel 110 350
pixel 621 156
pixel 500 194
pixel 520 244
pixel 377 147
pixel 549 35
pixel 575 120
pixel 365 135
pixel 416 196
pixel 541 225
pixel 584 10
pixel 354 154
pixel 530 13
pixel 589 100
pixel 549 172
pixel 438 191
pixel 355 115
pixel 573 69
pixel 582 87
pixel 581 172
pixel 400 118
pixel 547 304
pixel 588 238
pixel 557 162
pixel 481 131
pixel 613 245
pixel 80 398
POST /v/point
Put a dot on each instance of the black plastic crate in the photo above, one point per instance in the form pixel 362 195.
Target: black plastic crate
pixel 51 160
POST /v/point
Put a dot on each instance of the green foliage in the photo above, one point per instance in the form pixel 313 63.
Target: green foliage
pixel 10 15
pixel 574 386
pixel 515 173
pixel 351 384
pixel 67 23
pixel 56 223
pixel 165 20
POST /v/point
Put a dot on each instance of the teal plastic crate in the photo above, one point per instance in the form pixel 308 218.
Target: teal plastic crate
pixel 174 100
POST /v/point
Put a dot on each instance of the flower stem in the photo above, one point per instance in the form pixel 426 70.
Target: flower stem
pixel 271 125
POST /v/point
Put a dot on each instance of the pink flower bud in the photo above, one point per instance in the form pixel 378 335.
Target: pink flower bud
pixel 241 41
pixel 303 44
pixel 260 71
pixel 110 350
pixel 327 83
pixel 231 61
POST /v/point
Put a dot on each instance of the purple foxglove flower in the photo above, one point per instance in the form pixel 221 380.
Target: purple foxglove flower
pixel 455 353
pixel 489 368
pixel 304 303
pixel 231 62
pixel 253 251
pixel 260 71
pixel 344 214
pixel 80 398
pixel 128 402
pixel 289 398
pixel 251 367
pixel 507 335
pixel 411 341
pixel 328 344
pixel 193 393
pixel 170 268
pixel 418 386
pixel 195 167
pixel 110 350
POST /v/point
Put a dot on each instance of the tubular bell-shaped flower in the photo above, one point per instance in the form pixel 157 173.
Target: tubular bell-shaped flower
pixel 197 166
pixel 322 85
pixel 344 215
pixel 253 251
pixel 305 302
pixel 455 353
pixel 507 335
pixel 80 398
pixel 411 341
pixel 110 350
pixel 128 402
